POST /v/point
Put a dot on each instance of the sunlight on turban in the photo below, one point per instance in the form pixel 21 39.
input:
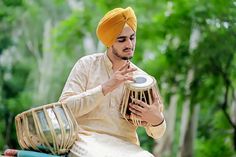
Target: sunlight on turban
pixel 111 25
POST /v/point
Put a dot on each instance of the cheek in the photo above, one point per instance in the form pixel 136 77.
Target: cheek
pixel 119 47
pixel 134 42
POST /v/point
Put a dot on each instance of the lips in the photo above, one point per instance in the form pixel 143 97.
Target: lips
pixel 128 50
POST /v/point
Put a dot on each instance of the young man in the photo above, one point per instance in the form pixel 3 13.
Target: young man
pixel 94 93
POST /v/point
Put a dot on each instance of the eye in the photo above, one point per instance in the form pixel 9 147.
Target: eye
pixel 132 38
pixel 121 40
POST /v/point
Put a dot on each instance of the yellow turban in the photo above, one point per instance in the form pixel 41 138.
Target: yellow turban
pixel 112 24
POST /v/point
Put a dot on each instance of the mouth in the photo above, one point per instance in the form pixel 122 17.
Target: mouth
pixel 129 53
pixel 128 50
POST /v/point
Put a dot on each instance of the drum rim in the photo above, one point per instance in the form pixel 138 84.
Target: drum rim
pixel 27 112
pixel 129 84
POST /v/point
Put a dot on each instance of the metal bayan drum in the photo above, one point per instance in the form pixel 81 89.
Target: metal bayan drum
pixel 49 128
pixel 141 89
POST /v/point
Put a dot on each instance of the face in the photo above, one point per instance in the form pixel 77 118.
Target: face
pixel 124 45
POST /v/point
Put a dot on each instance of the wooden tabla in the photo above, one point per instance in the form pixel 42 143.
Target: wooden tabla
pixel 49 128
pixel 141 89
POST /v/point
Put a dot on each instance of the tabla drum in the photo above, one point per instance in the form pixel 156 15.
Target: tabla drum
pixel 49 128
pixel 141 89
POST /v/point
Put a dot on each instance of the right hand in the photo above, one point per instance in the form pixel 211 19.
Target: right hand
pixel 118 77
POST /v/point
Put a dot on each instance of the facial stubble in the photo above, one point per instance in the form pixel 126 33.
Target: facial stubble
pixel 114 51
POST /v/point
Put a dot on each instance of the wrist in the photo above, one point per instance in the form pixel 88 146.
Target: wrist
pixel 157 124
pixel 105 89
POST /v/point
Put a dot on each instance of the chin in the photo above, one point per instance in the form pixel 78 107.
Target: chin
pixel 129 54
pixel 127 57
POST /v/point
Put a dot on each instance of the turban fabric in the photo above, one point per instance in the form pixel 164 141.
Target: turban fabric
pixel 113 22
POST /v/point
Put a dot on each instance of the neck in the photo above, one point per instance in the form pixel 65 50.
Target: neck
pixel 116 61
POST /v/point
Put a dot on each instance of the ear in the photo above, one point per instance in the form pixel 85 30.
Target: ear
pixel 109 48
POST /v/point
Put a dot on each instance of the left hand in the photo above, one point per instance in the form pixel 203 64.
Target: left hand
pixel 149 113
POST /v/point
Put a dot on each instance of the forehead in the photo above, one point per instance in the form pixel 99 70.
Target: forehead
pixel 127 31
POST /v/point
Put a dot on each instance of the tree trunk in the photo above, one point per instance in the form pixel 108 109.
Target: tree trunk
pixel 188 143
pixel 233 109
pixel 233 115
pixel 187 128
pixel 45 68
pixel 8 123
pixel 184 126
pixel 234 139
pixel 163 147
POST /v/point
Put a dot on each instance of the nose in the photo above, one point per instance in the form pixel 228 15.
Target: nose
pixel 129 43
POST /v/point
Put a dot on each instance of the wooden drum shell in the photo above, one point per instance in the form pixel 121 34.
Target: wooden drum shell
pixel 140 93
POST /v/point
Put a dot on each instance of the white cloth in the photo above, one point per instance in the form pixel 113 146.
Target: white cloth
pixel 102 145
pixel 99 115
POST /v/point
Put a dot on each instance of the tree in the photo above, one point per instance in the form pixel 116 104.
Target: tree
pixel 178 41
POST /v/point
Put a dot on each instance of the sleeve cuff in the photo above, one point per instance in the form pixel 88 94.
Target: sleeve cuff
pixel 157 131
pixel 159 123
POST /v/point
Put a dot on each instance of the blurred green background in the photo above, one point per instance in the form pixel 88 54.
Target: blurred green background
pixel 189 46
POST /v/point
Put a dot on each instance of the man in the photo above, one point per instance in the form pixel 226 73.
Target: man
pixel 94 93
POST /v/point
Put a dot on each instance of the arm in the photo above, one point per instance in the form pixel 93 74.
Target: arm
pixel 158 127
pixel 75 93
pixel 156 131
pixel 151 114
pixel 81 100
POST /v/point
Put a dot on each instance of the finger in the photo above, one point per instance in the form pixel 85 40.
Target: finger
pixel 126 78
pixel 134 111
pixel 127 116
pixel 129 70
pixel 161 108
pixel 136 107
pixel 134 115
pixel 126 65
pixel 143 123
pixel 139 102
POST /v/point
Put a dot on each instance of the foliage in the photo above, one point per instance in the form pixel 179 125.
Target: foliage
pixel 41 40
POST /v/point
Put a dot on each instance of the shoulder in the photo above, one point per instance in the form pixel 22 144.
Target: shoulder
pixel 90 59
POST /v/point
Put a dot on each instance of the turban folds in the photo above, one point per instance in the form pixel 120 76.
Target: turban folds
pixel 113 22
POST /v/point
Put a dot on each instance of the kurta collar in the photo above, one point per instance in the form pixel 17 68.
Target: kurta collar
pixel 108 62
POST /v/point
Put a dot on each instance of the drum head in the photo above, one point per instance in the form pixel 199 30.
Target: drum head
pixel 142 81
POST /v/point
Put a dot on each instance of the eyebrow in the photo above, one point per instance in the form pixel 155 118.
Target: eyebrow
pixel 122 37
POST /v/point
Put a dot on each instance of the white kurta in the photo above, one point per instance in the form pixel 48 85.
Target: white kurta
pixel 103 133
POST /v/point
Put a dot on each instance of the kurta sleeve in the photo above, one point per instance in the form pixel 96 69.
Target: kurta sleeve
pixel 75 93
pixel 156 132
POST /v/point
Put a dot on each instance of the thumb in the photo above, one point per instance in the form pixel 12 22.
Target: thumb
pixel 161 107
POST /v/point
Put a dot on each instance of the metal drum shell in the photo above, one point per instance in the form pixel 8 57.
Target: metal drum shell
pixel 50 128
